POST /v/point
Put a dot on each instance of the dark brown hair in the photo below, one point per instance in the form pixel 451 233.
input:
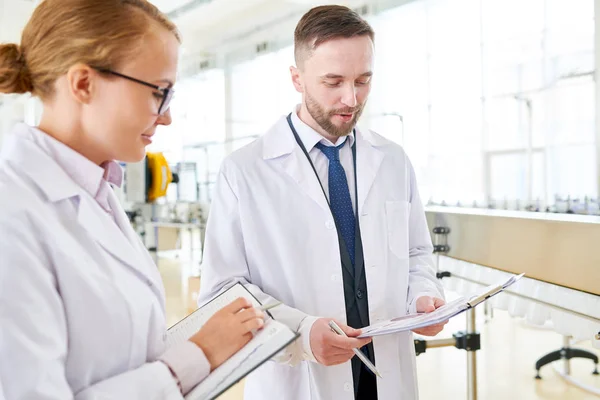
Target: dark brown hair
pixel 62 33
pixel 325 23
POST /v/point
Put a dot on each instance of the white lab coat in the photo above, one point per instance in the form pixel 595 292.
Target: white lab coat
pixel 82 311
pixel 270 227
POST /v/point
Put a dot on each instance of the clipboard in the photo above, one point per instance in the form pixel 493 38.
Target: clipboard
pixel 450 310
pixel 273 338
pixel 492 290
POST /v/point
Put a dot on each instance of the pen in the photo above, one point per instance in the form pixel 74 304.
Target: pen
pixel 335 327
pixel 269 306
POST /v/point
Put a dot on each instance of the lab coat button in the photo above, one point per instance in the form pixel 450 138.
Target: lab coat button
pixel 347 387
pixel 334 278
pixel 329 224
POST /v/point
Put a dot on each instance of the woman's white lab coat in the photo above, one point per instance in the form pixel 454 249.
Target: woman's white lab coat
pixel 270 226
pixel 82 311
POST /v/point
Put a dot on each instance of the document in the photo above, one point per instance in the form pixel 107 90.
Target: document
pixel 420 320
pixel 267 342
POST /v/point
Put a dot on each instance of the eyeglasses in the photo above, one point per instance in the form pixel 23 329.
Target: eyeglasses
pixel 166 93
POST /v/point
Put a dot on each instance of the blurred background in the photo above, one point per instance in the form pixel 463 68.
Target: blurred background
pixel 495 102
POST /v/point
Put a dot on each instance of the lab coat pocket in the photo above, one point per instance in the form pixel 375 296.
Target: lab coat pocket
pixel 397 216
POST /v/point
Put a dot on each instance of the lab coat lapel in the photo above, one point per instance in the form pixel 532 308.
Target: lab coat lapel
pixel 146 264
pixel 368 161
pixel 108 235
pixel 298 168
pixel 56 185
pixel 281 147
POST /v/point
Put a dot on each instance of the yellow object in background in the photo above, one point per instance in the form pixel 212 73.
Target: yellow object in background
pixel 160 176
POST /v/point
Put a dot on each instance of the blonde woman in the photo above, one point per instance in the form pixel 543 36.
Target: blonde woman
pixel 81 302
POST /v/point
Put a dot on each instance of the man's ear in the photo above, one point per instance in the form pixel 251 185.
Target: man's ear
pixel 297 79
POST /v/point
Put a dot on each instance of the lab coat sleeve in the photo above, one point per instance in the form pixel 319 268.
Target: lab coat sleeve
pixel 422 280
pixel 189 364
pixel 225 264
pixel 33 329
pixel 1 392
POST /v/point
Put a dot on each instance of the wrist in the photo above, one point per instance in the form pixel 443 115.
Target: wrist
pixel 207 354
pixel 305 330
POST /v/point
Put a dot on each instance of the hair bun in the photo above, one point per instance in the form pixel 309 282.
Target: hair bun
pixel 14 74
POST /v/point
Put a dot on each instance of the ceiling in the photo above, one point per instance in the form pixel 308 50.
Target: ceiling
pixel 215 19
pixel 207 26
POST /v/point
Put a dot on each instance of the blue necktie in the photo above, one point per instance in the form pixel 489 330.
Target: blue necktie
pixel 339 196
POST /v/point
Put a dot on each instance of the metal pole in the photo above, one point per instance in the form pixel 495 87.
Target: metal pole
pixel 432 344
pixel 567 362
pixel 471 359
pixel 597 83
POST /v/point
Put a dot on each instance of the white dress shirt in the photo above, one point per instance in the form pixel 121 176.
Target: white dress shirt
pixel 310 138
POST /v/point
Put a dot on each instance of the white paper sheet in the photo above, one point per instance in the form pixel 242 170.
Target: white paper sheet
pixel 415 321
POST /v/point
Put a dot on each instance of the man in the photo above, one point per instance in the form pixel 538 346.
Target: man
pixel 326 218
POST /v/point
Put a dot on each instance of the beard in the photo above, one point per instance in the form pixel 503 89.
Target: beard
pixel 324 117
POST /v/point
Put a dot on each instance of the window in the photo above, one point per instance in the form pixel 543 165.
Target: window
pixel 428 70
pixel 494 101
pixel 539 102
pixel 197 131
pixel 261 92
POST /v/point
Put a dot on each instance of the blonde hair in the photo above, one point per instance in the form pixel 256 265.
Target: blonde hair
pixel 62 33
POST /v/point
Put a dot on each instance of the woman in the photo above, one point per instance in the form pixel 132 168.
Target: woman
pixel 81 302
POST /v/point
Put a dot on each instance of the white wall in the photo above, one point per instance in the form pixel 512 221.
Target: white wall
pixel 13 17
pixel 13 109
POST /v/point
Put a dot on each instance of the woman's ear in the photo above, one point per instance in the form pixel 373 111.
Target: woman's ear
pixel 81 80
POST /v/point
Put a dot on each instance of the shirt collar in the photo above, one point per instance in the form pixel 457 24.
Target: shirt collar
pixel 310 137
pixel 84 172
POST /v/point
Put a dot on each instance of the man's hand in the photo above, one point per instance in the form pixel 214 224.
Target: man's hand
pixel 426 304
pixel 329 348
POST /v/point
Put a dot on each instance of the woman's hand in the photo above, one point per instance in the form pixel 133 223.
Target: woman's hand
pixel 226 332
